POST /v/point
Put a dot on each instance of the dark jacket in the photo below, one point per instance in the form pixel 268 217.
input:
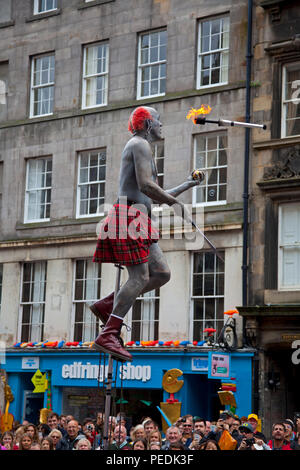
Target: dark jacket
pixel 66 443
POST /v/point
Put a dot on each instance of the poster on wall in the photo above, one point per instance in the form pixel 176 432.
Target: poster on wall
pixel 218 365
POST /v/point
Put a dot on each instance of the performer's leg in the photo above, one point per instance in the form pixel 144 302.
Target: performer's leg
pixel 159 272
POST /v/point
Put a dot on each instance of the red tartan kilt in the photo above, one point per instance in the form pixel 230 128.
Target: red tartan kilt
pixel 126 235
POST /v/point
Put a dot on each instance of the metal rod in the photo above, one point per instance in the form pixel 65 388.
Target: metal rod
pixel 225 122
pixel 110 374
pixel 207 240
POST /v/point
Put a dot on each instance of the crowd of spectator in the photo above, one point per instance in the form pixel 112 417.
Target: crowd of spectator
pixel 229 432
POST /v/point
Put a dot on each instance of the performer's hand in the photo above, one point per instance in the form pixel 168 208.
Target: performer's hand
pixel 196 177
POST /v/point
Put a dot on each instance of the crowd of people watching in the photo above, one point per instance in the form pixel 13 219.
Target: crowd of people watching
pixel 189 432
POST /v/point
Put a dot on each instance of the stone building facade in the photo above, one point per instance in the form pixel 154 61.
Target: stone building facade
pixel 71 72
pixel 273 312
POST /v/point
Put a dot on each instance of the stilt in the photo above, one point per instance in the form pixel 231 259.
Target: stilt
pixel 108 391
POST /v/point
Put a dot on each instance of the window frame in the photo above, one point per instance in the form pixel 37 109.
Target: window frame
pixel 85 77
pixel 152 323
pixel 193 298
pixel 43 303
pixel 36 8
pixel 99 182
pixel 34 87
pixel 45 188
pixel 211 51
pixel 96 323
pixel 280 286
pixel 218 167
pixel 284 102
pixel 141 66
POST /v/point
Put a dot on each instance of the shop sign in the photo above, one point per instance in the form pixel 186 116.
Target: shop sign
pixel 78 370
pixel 30 362
pixel 40 382
pixel 219 365
pixel 200 364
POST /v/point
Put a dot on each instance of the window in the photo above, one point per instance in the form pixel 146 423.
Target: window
pixel 33 301
pixel 42 86
pixel 289 246
pixel 86 290
pixel 91 183
pixel 290 100
pixel 158 153
pixel 145 317
pixel 41 6
pixel 207 294
pixel 95 75
pixel 38 189
pixel 152 64
pixel 213 52
pixel 1 187
pixel 210 155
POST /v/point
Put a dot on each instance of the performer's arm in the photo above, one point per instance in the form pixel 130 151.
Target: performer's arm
pixel 190 183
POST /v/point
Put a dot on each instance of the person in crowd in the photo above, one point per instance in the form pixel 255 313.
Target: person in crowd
pixel 119 439
pixel 138 432
pixel 55 435
pixel 63 422
pixel 36 446
pixel 83 444
pixel 173 434
pixel 155 436
pixel 207 428
pixel 154 446
pixel 25 442
pixel 44 430
pixel 73 436
pixel 32 430
pixel 253 420
pixel 209 444
pixel 53 422
pixel 200 426
pixel 139 444
pixel 7 441
pixel 278 441
pixel 187 435
pixel 99 423
pixel 149 426
pixel 88 430
pixel 178 445
pixel 289 430
pixel 249 441
pixel 18 435
pixel 47 443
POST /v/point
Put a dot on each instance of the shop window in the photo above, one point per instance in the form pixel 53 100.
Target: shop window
pixel 152 64
pixel 91 183
pixel 213 52
pixel 289 246
pixel 207 294
pixel 95 75
pixel 33 298
pixel 210 156
pixel 290 122
pixel 42 6
pixel 145 317
pixel 38 190
pixel 86 290
pixel 42 85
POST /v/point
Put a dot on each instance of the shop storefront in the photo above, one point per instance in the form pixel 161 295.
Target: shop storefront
pixel 76 379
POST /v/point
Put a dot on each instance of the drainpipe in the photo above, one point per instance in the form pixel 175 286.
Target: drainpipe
pixel 246 160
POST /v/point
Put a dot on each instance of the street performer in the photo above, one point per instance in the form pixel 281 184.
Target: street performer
pixel 127 236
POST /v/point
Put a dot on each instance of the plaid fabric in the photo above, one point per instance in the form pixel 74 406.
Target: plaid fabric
pixel 125 236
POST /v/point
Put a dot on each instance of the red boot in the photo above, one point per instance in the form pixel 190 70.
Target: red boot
pixel 109 342
pixel 103 308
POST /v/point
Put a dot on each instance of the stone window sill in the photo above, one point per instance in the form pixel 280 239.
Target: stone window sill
pixel 41 16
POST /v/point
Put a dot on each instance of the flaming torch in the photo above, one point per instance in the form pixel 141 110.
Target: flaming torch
pixel 197 115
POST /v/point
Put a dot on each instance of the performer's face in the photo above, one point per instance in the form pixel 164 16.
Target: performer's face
pixel 156 127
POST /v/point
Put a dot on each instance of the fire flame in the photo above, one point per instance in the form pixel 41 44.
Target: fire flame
pixel 194 113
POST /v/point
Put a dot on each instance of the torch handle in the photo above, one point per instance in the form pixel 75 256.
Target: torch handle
pixel 225 122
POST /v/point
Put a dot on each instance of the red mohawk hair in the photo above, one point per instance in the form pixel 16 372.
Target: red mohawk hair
pixel 137 119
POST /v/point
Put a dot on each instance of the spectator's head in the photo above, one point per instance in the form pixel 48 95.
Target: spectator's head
pixel 207 427
pixel 69 418
pixel 155 436
pixel 47 444
pixel 236 423
pixel 278 431
pixel 120 434
pixel 227 416
pixel 63 421
pixel 83 444
pixel 187 423
pixel 31 429
pixel 121 419
pixel 154 446
pixel 55 435
pixel 7 439
pixel 72 428
pixel 138 432
pixel 253 420
pixel 45 429
pixel 88 426
pixel 289 429
pixel 209 445
pixel 173 434
pixel 177 445
pixel 149 426
pixel 140 444
pixel 53 420
pixel 246 430
pixel 25 442
pixel 100 418
pixel 35 446
pixel 199 425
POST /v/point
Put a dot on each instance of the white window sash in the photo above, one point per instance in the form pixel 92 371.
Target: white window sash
pixel 36 189
pixel 88 183
pixel 284 246
pixel 50 84
pixel 103 74
pixel 37 10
